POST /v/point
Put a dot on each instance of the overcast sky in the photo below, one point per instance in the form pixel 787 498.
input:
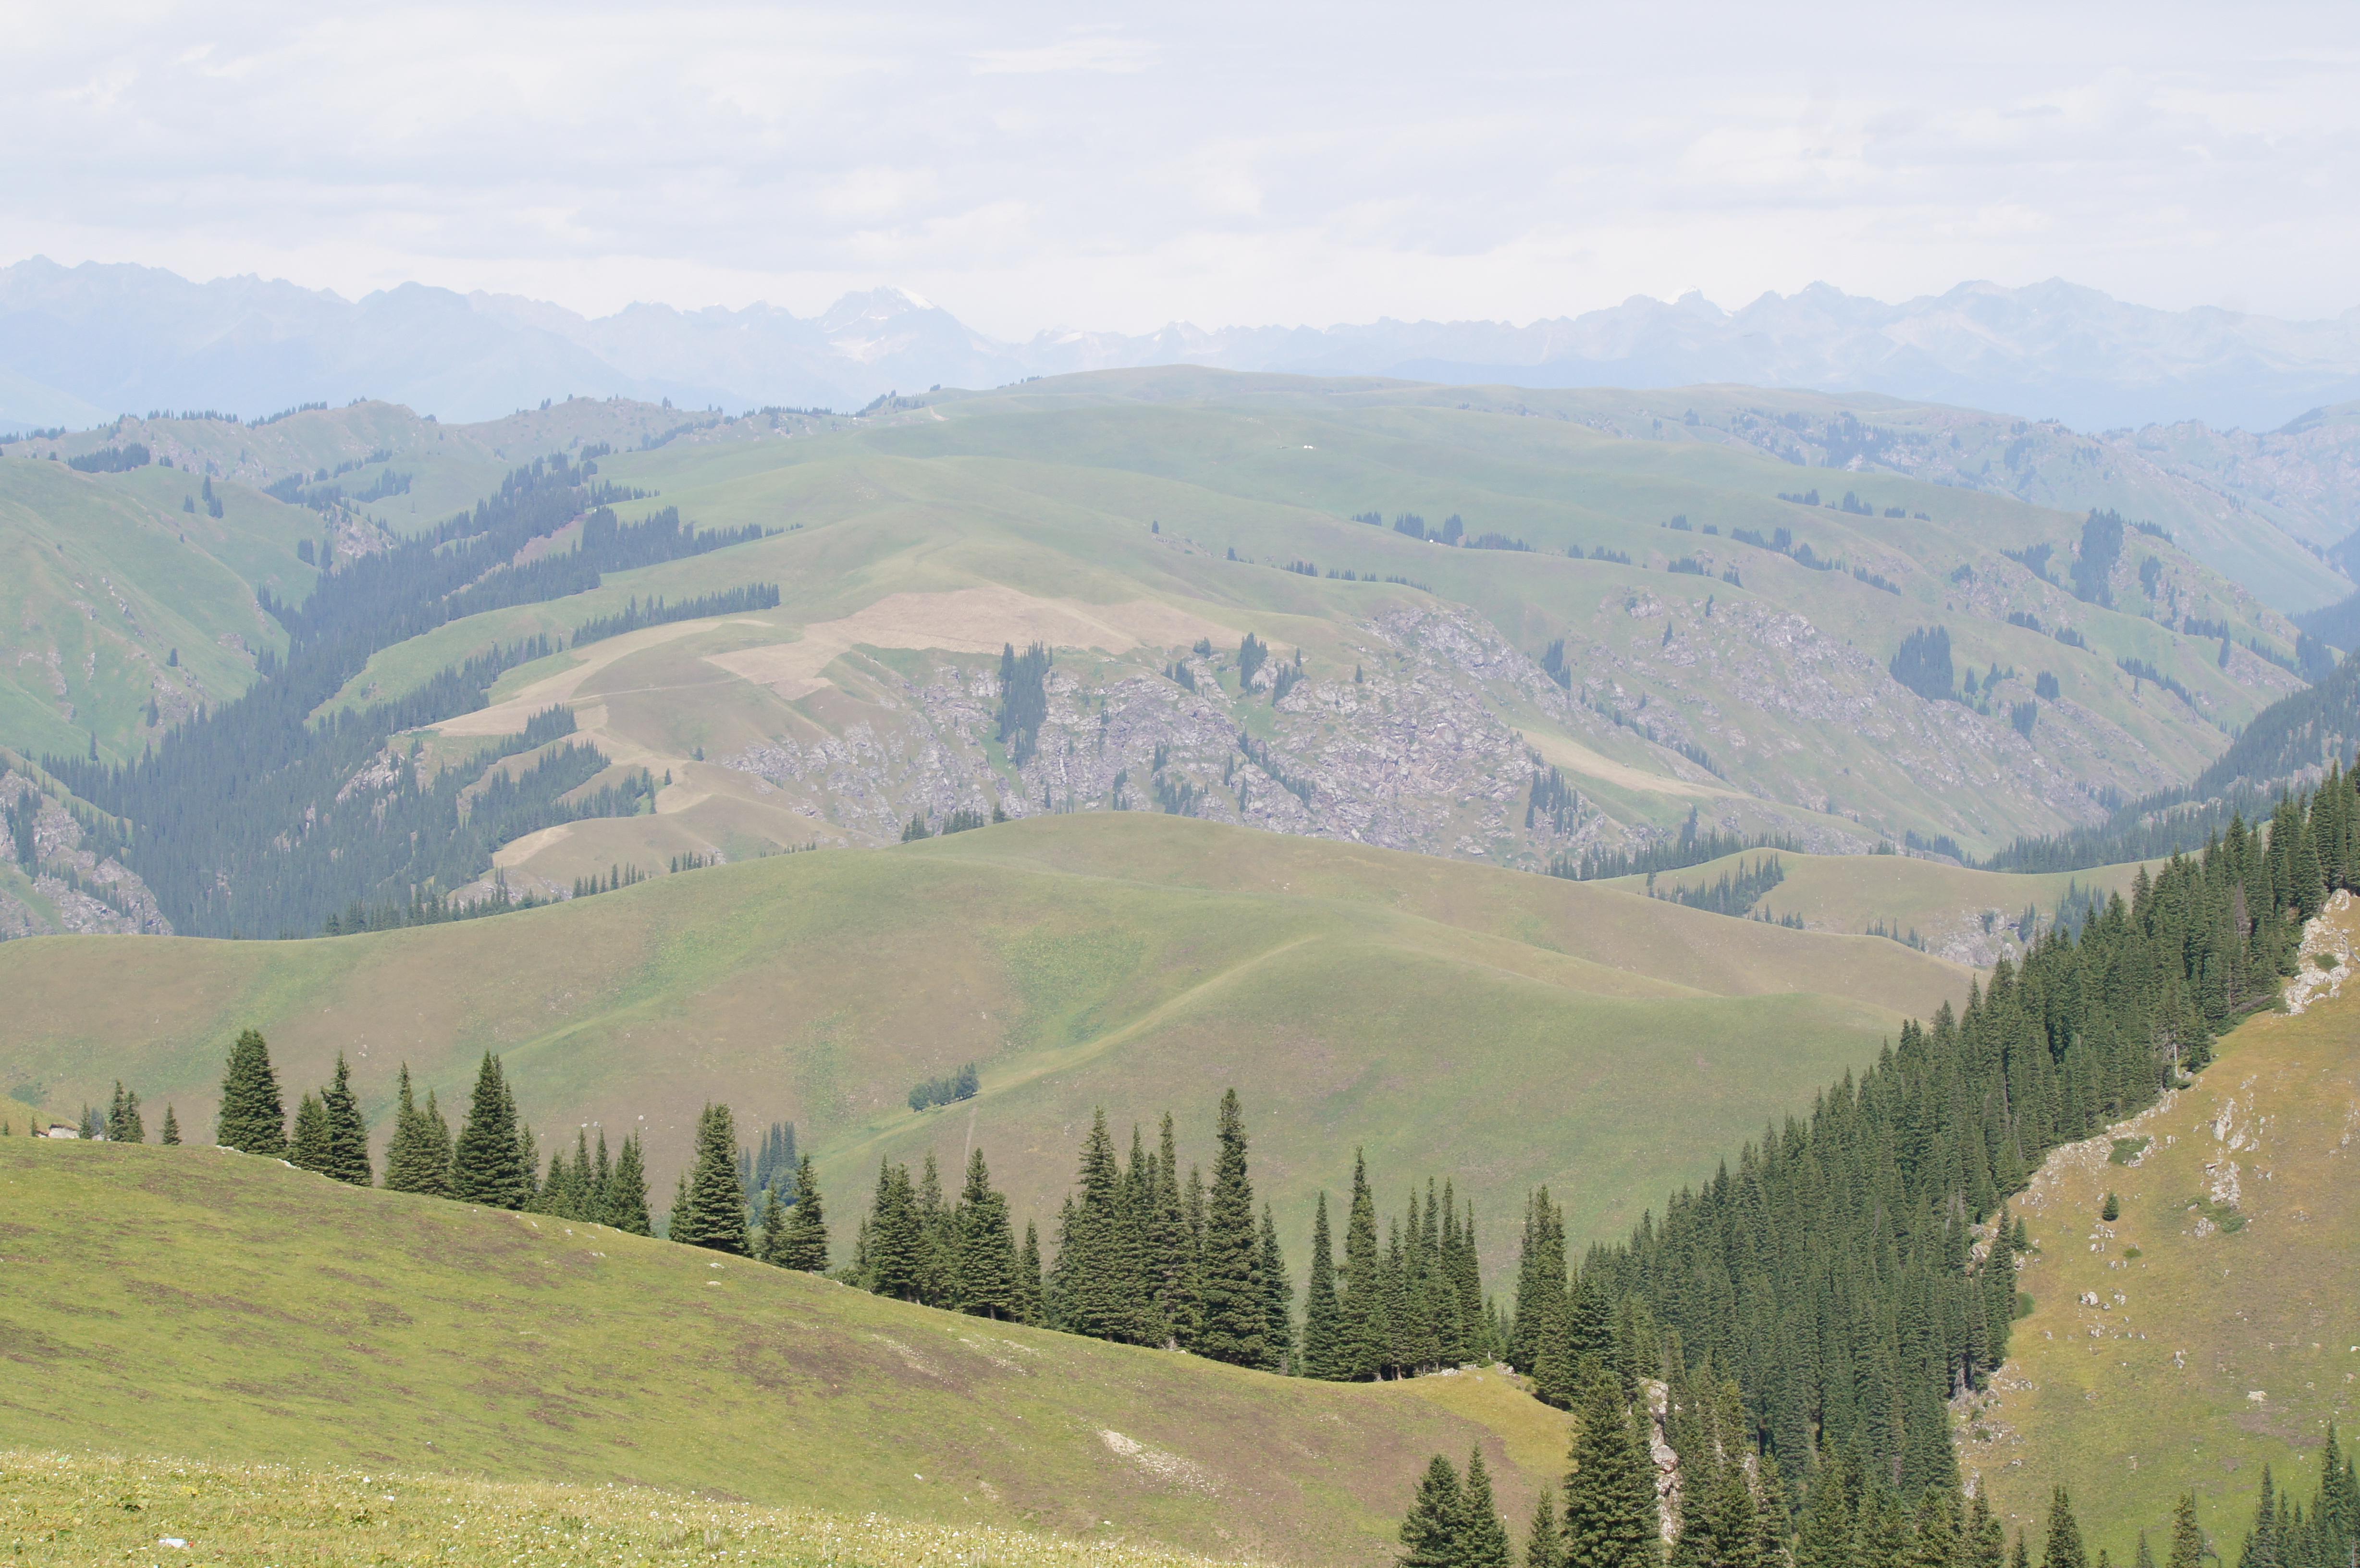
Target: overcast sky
pixel 1028 166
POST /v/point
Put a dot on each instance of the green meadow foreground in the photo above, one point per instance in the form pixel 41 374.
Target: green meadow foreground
pixel 225 1308
pixel 1504 1029
pixel 64 1509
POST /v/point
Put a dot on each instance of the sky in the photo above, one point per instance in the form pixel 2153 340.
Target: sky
pixel 1033 167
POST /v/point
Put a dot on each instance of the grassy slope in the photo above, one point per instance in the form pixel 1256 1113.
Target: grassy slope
pixel 1847 892
pixel 94 1509
pixel 102 577
pixel 2229 1351
pixel 1131 961
pixel 232 1309
pixel 1048 490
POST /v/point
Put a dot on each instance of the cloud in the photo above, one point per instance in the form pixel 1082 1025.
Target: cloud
pixel 1221 163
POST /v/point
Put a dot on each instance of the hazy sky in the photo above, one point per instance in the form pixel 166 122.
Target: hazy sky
pixel 1035 166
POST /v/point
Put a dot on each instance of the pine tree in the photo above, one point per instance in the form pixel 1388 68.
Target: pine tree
pixel 1322 1324
pixel 714 1214
pixel 2265 1544
pixel 307 1149
pixel 1544 1542
pixel 122 1123
pixel 1429 1532
pixel 805 1245
pixel 252 1119
pixel 487 1161
pixel 1366 1335
pixel 1172 1249
pixel 896 1236
pixel 987 1248
pixel 2144 1556
pixel 1482 1535
pixel 2064 1549
pixel 418 1156
pixel 626 1192
pixel 1235 1321
pixel 1278 1298
pixel 348 1155
pixel 171 1136
pixel 773 1228
pixel 1826 1536
pixel 1611 1518
pixel 1028 1277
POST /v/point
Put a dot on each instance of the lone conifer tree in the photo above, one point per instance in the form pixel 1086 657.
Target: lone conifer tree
pixel 1611 1518
pixel 348 1155
pixel 2187 1536
pixel 1483 1538
pixel 1429 1532
pixel 122 1123
pixel 713 1212
pixel 804 1245
pixel 171 1133
pixel 1544 1543
pixel 1362 1344
pixel 487 1162
pixel 627 1191
pixel 1278 1298
pixel 2065 1549
pixel 1236 1315
pixel 251 1120
pixel 1322 1326
pixel 307 1148
pixel 772 1228
pixel 987 1248
pixel 895 1255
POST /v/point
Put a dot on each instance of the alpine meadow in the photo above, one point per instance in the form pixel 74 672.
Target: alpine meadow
pixel 879 932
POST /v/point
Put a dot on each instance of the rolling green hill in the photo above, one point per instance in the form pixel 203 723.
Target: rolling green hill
pixel 205 1304
pixel 1659 625
pixel 2211 1329
pixel 1500 1029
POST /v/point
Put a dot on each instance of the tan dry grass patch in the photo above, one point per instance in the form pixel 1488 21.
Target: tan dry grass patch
pixel 965 620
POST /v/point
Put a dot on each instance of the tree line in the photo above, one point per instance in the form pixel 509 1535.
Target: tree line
pixel 1856 1269
pixel 1716 1510
pixel 241 819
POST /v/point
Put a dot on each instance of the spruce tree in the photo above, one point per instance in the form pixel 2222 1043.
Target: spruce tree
pixel 986 1270
pixel 1610 1518
pixel 1360 1290
pixel 252 1119
pixel 307 1149
pixel 626 1193
pixel 1322 1324
pixel 1033 1310
pixel 1236 1315
pixel 1482 1535
pixel 1278 1299
pixel 773 1228
pixel 712 1214
pixel 805 1243
pixel 487 1161
pixel 2064 1549
pixel 416 1159
pixel 122 1123
pixel 1544 1542
pixel 170 1137
pixel 348 1154
pixel 1429 1532
pixel 1171 1251
pixel 896 1236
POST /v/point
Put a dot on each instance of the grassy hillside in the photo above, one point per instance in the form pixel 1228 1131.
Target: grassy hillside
pixel 86 1508
pixel 1967 916
pixel 1500 1029
pixel 231 1310
pixel 1631 641
pixel 2215 1327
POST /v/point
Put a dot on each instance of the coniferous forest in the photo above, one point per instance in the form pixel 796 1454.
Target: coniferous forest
pixel 243 821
